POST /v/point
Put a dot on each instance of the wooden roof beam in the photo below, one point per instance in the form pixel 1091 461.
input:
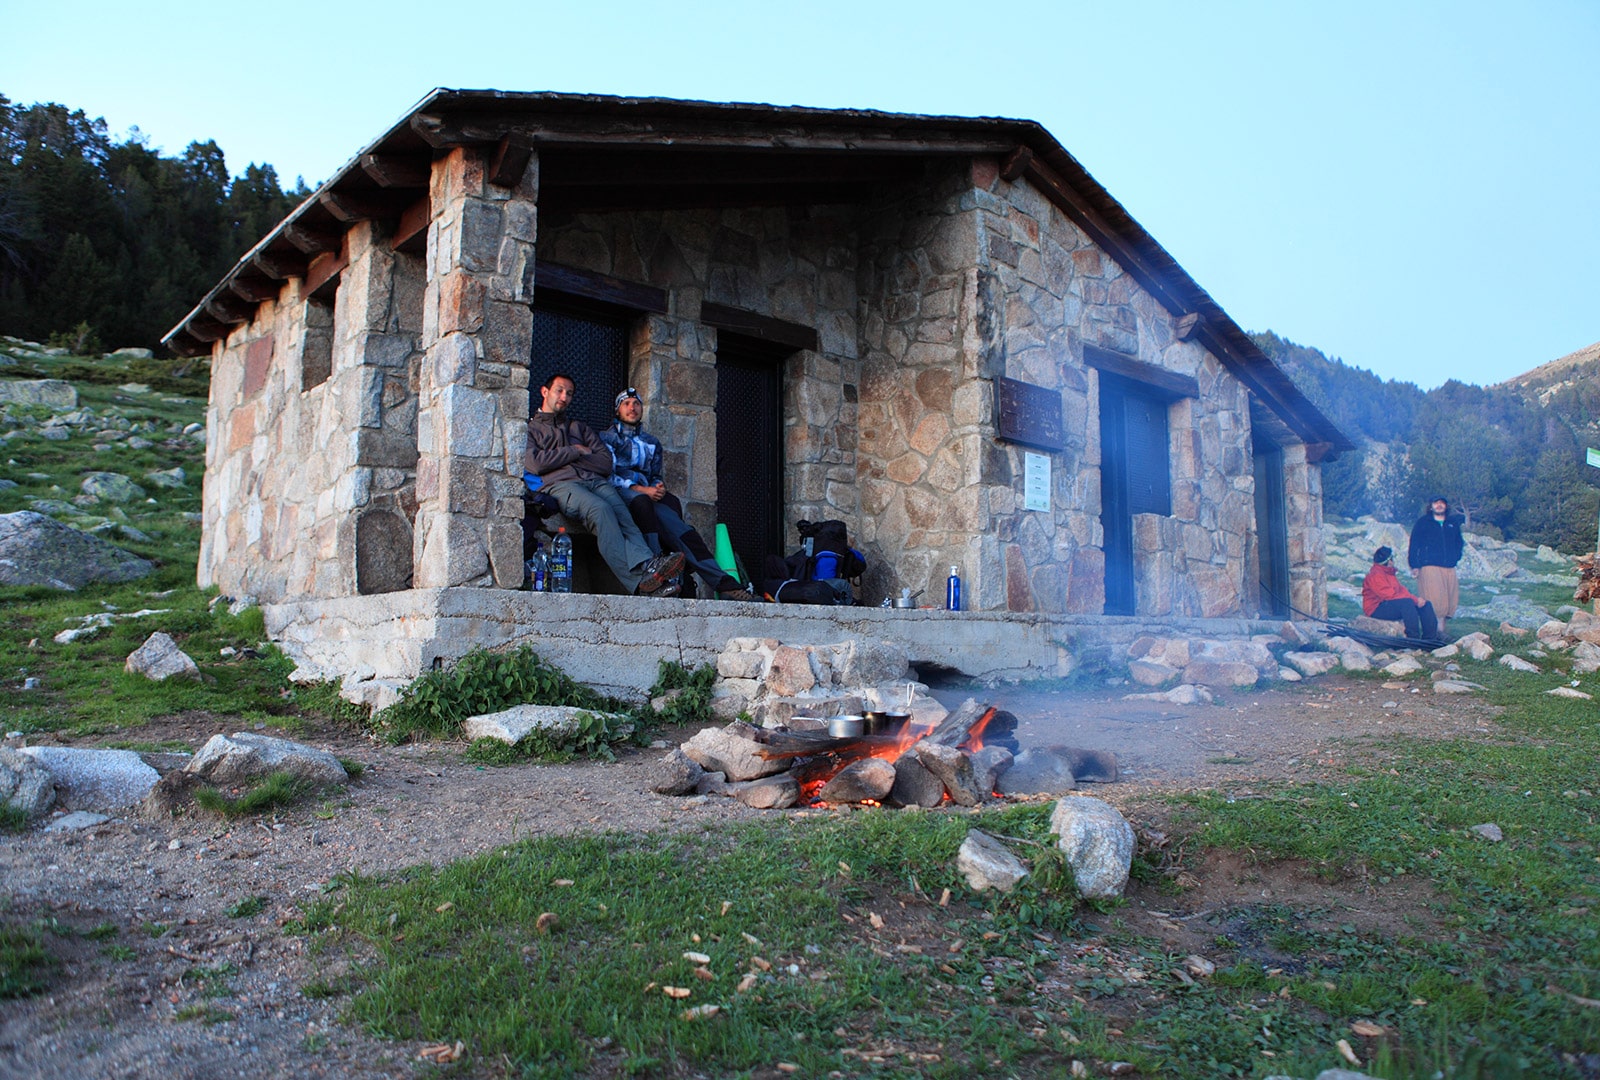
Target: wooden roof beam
pixel 229 310
pixel 398 171
pixel 509 161
pixel 411 231
pixel 309 240
pixel 279 265
pixel 375 206
pixel 443 131
pixel 203 328
pixel 254 289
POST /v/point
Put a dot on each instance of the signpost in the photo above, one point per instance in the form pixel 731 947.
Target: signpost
pixel 1594 459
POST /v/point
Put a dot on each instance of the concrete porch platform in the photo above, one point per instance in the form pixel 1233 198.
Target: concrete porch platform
pixel 375 644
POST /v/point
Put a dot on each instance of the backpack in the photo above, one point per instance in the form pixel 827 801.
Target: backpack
pixel 817 578
pixel 831 557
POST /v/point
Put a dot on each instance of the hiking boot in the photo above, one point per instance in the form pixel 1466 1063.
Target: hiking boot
pixel 737 594
pixel 659 573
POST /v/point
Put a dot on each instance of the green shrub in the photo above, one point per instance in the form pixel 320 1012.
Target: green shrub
pixel 278 789
pixel 483 682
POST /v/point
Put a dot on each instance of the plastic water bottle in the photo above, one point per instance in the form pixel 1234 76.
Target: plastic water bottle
pixel 561 562
pixel 952 591
pixel 539 571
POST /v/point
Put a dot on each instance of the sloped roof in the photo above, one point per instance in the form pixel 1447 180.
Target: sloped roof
pixel 600 151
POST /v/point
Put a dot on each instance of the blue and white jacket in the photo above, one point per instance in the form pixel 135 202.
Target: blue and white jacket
pixel 636 453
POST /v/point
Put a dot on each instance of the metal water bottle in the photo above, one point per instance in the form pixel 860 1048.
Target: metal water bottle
pixel 561 562
pixel 952 591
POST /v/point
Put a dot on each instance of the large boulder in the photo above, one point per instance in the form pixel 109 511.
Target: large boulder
pixel 1098 843
pixel 512 725
pixel 38 550
pixel 733 752
pixel 159 658
pixel 1039 771
pixel 51 392
pixel 245 756
pixel 111 487
pixel 869 778
pixel 91 779
pixel 25 784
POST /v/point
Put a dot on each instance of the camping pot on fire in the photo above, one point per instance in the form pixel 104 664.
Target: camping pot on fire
pixel 845 726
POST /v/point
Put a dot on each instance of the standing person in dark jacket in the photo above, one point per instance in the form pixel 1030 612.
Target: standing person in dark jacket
pixel 575 468
pixel 637 475
pixel 1435 549
pixel 1383 597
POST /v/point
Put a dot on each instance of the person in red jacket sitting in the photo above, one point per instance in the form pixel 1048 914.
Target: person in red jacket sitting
pixel 1383 597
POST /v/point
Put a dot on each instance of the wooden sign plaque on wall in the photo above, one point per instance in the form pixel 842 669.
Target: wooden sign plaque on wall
pixel 1028 414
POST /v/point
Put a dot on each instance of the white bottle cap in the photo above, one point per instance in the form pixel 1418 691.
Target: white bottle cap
pixel 952 571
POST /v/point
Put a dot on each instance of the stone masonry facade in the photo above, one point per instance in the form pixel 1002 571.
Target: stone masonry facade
pixel 401 468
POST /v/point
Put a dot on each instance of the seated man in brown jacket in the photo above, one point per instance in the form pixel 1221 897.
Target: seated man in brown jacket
pixel 575 468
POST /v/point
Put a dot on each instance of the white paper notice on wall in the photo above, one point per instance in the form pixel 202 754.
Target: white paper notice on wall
pixel 1036 482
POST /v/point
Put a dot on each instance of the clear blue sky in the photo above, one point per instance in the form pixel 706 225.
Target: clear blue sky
pixel 1409 186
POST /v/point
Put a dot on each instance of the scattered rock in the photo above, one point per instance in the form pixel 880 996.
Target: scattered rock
pixel 1098 843
pixel 245 756
pixel 954 770
pixel 159 658
pixel 732 751
pixel 38 550
pixel 869 778
pixel 1312 663
pixel 51 392
pixel 988 864
pixel 769 792
pixel 1445 652
pixel 1452 686
pixel 1569 692
pixel 25 784
pixel 89 779
pixel 76 820
pixel 676 774
pixel 1152 673
pixel 512 725
pixel 1488 831
pixel 110 486
pixel 1289 674
pixel 1476 646
pixel 168 478
pixel 988 765
pixel 914 785
pixel 1517 663
pixel 1402 667
pixel 1039 771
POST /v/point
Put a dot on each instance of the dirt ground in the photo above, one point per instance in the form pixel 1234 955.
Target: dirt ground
pixel 142 1013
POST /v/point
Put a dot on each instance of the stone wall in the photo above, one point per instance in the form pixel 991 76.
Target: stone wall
pixel 1308 569
pixel 473 388
pixel 309 482
pixel 796 264
pixel 976 278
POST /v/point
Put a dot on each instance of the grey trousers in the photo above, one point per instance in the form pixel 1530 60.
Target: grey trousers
pixel 597 504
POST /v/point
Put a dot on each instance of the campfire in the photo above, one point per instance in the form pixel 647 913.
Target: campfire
pixel 791 740
pixel 959 760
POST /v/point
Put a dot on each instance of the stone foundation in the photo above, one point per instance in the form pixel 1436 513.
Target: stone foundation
pixel 376 644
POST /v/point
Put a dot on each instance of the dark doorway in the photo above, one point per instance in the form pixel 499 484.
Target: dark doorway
pixel 587 341
pixel 1272 527
pixel 1135 477
pixel 750 446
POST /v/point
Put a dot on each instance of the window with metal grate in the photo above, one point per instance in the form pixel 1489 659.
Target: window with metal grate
pixel 586 343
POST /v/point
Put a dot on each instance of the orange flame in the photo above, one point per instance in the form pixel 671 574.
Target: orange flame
pixel 904 740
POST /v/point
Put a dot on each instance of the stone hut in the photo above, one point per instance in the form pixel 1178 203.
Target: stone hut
pixel 941 330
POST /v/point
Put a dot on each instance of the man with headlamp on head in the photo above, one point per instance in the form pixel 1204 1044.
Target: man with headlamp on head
pixel 637 474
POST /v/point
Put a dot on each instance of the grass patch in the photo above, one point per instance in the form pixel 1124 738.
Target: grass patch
pixel 13 819
pixel 1495 992
pixel 275 790
pixel 246 908
pixel 461 953
pixel 25 966
pixel 205 1013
